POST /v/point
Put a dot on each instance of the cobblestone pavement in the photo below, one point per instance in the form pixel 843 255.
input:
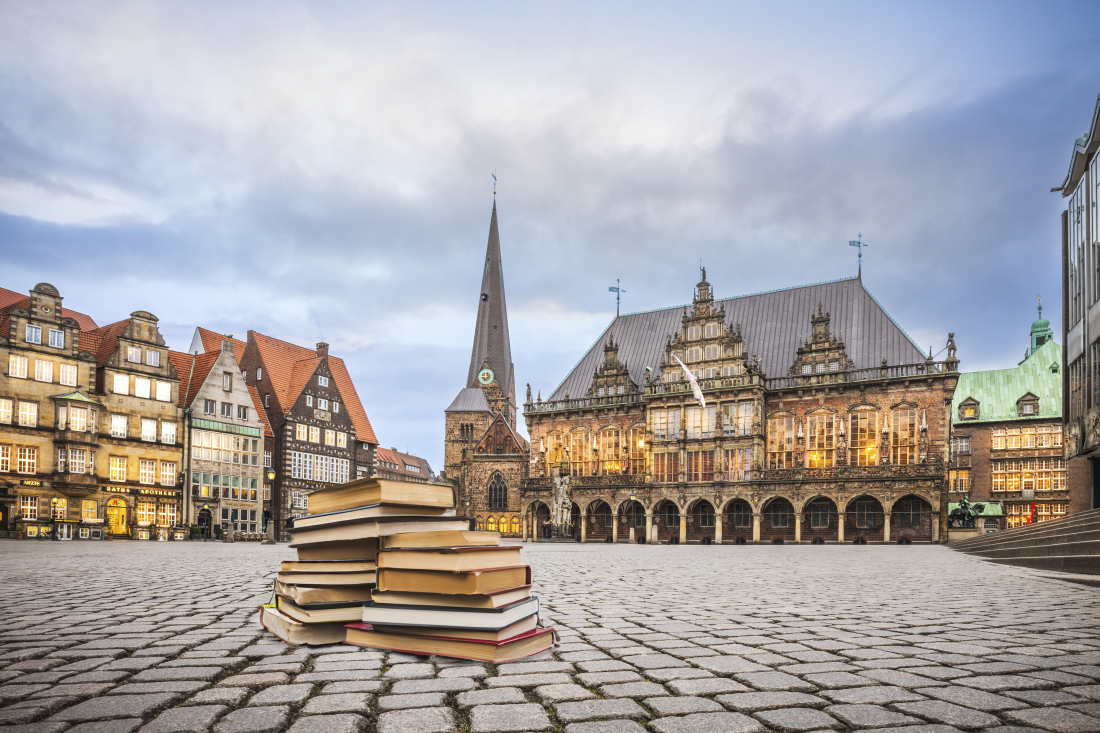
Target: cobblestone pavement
pixel 110 637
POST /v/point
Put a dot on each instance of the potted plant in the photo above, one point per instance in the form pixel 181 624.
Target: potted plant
pixel 18 530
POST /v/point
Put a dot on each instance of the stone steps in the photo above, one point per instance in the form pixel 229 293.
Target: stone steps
pixel 1068 545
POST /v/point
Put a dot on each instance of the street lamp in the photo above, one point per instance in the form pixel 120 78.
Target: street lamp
pixel 53 518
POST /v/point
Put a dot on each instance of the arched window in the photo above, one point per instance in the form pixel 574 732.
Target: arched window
pixel 480 523
pixel 491 524
pixel 515 525
pixel 498 492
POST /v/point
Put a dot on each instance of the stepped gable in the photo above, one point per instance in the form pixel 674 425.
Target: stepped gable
pixel 773 324
pixel 192 370
pixel 500 439
pixel 998 390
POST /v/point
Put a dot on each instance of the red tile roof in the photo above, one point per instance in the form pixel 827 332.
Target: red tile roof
pixel 289 368
pixel 108 343
pixel 192 372
pixel 10 299
pixel 84 321
pixel 260 410
pixel 212 341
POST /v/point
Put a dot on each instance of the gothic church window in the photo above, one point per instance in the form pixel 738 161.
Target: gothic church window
pixel 498 493
pixel 491 524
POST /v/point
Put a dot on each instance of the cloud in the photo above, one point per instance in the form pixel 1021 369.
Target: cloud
pixel 321 171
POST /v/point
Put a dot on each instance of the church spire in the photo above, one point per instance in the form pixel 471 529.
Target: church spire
pixel 492 347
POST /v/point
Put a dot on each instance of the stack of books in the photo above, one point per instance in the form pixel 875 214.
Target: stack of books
pixel 453 593
pixel 331 582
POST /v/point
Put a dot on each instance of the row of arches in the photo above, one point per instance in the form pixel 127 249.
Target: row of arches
pixel 863 519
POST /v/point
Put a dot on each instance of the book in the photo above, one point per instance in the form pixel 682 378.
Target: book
pixel 364 512
pixel 451 618
pixel 372 528
pixel 327 578
pixel 444 538
pixel 329 566
pixel 293 632
pixel 322 613
pixel 362 550
pixel 304 594
pixel 497 599
pixel 453 559
pixel 519 627
pixel 517 647
pixel 380 491
pixel 441 581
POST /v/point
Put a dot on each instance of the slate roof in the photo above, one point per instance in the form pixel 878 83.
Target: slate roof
pixel 491 341
pixel 998 390
pixel 772 324
pixel 469 399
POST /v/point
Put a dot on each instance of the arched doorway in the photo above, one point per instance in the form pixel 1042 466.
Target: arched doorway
pixel 737 525
pixel 911 519
pixel 116 517
pixel 777 522
pixel 542 521
pixel 599 521
pixel 701 526
pixel 820 521
pixel 632 522
pixel 666 522
pixel 863 520
pixel 205 520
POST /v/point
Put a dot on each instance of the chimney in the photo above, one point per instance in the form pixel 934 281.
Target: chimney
pixel 322 348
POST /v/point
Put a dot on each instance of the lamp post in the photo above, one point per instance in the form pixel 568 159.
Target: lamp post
pixel 53 518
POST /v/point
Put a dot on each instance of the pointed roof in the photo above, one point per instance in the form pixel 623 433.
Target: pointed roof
pixel 289 368
pixel 773 324
pixel 260 411
pixel 491 342
pixel 192 371
pixel 212 341
pixel 469 399
pixel 483 442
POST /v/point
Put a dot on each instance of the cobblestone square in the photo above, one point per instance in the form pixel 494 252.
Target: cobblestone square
pixel 145 636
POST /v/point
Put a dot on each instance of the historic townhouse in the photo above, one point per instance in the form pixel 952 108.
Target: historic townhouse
pixel 1080 298
pixel 1006 446
pixel 49 418
pixel 224 442
pixel 849 443
pixel 321 433
pixel 393 464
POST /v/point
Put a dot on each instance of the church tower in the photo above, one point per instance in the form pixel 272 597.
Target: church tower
pixel 482 452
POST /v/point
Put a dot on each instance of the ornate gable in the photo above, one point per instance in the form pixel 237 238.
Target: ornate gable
pixel 612 377
pixel 823 353
pixel 498 440
pixel 706 344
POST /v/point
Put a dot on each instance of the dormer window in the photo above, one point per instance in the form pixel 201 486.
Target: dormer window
pixel 1028 405
pixel 970 409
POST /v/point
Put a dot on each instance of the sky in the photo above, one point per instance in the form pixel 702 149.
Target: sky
pixel 323 171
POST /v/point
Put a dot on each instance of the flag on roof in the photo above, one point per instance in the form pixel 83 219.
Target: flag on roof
pixel 691 380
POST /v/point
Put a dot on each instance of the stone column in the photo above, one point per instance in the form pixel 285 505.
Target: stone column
pixel 756 528
pixel 886 527
pixel 683 530
pixel 717 528
pixel 648 527
pixel 614 528
pixel 524 521
pixel 797 527
pixel 584 526
pixel 840 527
pixel 935 529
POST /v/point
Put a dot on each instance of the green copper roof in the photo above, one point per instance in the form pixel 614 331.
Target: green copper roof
pixel 998 390
pixel 75 397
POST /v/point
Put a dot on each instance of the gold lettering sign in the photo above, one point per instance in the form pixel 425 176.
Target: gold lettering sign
pixel 29 482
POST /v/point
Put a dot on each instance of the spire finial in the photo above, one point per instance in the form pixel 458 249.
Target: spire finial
pixel 494 183
pixel 1040 305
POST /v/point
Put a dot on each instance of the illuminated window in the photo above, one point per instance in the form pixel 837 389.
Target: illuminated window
pixel 701 465
pixel 133 354
pixel 820 443
pixel 28 414
pixel 17 366
pixel 43 370
pixel 781 436
pixel 89 509
pixel 611 451
pixel 5 410
pixel 314 434
pixel 863 439
pixel 5 458
pixel 166 515
pixel 636 448
pixel 581 454
pixel 330 437
pixel 118 468
pixel 301 432
pixel 78 419
pixel 28 460
pixel 738 464
pixel 28 507
pixel 59 508
pixel 491 524
pixel 903 448
pixel 515 525
pixel 666 467
pixel 959 480
pixel 341 440
pixel 146 512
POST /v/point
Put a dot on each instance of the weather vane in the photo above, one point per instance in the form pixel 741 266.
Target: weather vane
pixel 859 244
pixel 618 291
pixel 494 183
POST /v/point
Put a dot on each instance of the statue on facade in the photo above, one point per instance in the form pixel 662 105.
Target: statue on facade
pixel 965 514
pixel 561 511
pixel 950 346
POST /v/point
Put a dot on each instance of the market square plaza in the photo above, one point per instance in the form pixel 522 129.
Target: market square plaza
pixel 126 636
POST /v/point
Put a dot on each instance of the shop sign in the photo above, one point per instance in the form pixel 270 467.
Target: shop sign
pixel 30 482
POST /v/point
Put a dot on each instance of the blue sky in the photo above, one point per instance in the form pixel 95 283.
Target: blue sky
pixel 321 171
